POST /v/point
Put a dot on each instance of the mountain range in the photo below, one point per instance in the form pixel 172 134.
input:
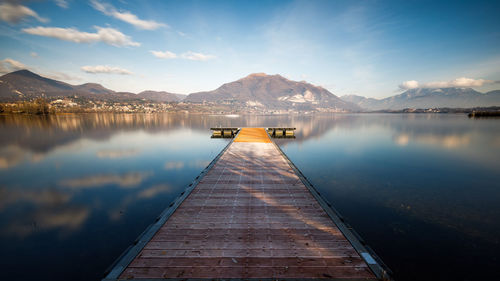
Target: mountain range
pixel 424 98
pixel 24 84
pixel 256 91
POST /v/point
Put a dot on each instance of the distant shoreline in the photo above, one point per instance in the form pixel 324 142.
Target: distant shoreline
pixel 40 108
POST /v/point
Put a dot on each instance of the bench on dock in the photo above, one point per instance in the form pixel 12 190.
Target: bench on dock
pixel 281 132
pixel 224 132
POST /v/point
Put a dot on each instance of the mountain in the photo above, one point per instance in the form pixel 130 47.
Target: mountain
pixel 272 92
pixel 93 88
pixel 424 98
pixel 161 96
pixel 24 84
pixel 361 101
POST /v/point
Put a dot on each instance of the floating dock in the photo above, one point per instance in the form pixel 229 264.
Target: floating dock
pixel 281 132
pixel 251 214
pixel 224 132
pixel 274 132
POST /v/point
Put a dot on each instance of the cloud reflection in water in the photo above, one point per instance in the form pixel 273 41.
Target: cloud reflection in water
pixel 128 180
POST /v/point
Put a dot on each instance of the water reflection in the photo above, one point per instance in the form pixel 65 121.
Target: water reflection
pixel 128 180
pixel 47 197
pixel 427 183
pixel 56 130
pixel 117 153
pixel 449 142
pixel 49 209
pixel 80 188
pixel 419 176
pixel 153 191
pixel 91 183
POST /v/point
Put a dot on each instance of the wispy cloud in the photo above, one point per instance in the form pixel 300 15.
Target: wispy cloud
pixel 105 69
pixel 14 13
pixel 164 55
pixel 187 55
pixel 197 56
pixel 62 3
pixel 462 82
pixel 126 16
pixel 8 65
pixel 107 35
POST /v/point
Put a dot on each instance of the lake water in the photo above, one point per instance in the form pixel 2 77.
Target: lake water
pixel 423 190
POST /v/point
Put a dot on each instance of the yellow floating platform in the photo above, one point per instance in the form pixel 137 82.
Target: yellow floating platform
pixel 253 135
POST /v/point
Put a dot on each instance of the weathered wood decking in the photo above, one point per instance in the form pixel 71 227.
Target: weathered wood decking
pixel 251 215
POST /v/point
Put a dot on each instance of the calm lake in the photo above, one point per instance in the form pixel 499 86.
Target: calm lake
pixel 423 190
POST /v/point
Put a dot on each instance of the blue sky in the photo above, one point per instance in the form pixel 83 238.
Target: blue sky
pixel 370 48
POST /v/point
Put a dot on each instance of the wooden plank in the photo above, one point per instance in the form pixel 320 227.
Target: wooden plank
pixel 261 262
pixel 239 272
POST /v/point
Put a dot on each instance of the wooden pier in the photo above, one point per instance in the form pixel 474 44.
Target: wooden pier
pixel 251 214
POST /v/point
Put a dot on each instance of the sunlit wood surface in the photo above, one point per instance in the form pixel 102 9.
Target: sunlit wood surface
pixel 252 135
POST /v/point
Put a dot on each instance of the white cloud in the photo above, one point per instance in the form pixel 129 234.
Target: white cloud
pixel 197 56
pixel 105 69
pixel 461 82
pixel 107 35
pixel 62 3
pixel 14 13
pixel 8 65
pixel 187 55
pixel 126 16
pixel 164 55
pixel 412 84
pixel 464 82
